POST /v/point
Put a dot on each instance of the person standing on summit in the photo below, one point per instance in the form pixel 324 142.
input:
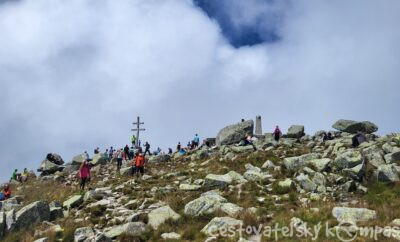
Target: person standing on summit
pixel 277 134
pixel 133 140
pixel 147 148
pixel 196 141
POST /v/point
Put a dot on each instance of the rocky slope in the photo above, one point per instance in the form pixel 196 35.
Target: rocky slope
pixel 300 181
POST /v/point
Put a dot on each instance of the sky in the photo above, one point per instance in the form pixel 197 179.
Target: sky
pixel 75 74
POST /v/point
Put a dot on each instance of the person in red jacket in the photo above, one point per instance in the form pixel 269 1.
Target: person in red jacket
pixel 139 163
pixel 6 194
pixel 84 174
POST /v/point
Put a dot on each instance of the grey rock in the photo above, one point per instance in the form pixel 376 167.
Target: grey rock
pixel 47 167
pixel 55 158
pixel 82 234
pixel 171 236
pixel 99 159
pixel 2 223
pixel 268 165
pixel 220 222
pixel 10 221
pixel 295 131
pixel 231 209
pixel 353 127
pixel 78 159
pixel 232 134
pixel 160 215
pixel 215 181
pixel 207 203
pixel 388 173
pixel 56 212
pixel 45 239
pixel 345 214
pixel 297 162
pixel 162 158
pixel 189 187
pixel 73 201
pixel 102 238
pixel 32 214
pixel 320 164
pixel 125 171
pixel 306 183
pixel 253 175
pixel 348 159
pixel 131 228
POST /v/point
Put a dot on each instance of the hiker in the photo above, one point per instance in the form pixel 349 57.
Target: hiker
pixel 131 153
pixel 196 141
pixel 133 140
pixel 25 175
pixel 178 147
pixel 248 140
pixel 126 152
pixel 106 155
pixel 358 139
pixel 277 134
pixel 119 159
pixel 6 194
pixel 97 150
pixel 170 151
pixel 84 173
pixel 111 153
pixel 139 163
pixel 86 154
pixel 147 148
pixel 16 176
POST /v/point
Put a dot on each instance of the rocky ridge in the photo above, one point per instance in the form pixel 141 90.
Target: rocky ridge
pixel 190 197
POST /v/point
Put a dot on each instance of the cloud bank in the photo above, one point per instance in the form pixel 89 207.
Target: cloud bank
pixel 75 74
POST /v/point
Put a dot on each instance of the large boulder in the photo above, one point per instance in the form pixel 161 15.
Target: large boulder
pixel 131 228
pixel 99 159
pixel 348 159
pixel 206 203
pixel 32 214
pixel 2 223
pixel 353 127
pixel 233 134
pixel 55 158
pixel 306 183
pixel 83 234
pixel 161 158
pixel 217 223
pixel 78 159
pixel 295 131
pixel 345 214
pixel 297 162
pixel 73 201
pixel 388 173
pixel 217 181
pixel 159 215
pixel 47 167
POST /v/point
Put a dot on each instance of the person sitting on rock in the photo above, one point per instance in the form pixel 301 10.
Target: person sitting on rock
pixel 16 176
pixel 178 147
pixel 139 163
pixel 277 134
pixel 25 175
pixel 248 140
pixel 6 192
pixel 84 174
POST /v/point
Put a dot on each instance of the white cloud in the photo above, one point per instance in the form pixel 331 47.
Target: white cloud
pixel 75 74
